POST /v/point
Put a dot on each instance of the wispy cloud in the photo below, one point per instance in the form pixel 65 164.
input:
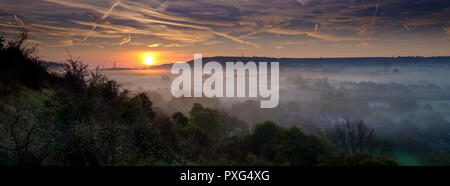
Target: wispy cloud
pixel 154 45
pixel 370 27
pixel 101 20
pixel 19 21
pixel 357 45
pixel 63 43
pixel 246 24
pixel 125 40
pixel 303 2
pixel 136 11
pixel 406 27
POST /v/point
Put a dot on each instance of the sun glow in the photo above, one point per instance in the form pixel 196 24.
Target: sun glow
pixel 149 60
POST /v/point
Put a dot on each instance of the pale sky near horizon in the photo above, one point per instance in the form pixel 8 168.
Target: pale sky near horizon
pixel 125 31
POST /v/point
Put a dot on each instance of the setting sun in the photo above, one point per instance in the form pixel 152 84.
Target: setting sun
pixel 149 60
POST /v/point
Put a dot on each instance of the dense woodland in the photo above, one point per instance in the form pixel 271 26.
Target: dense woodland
pixel 78 116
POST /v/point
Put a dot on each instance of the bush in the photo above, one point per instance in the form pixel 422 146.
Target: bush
pixel 285 146
pixel 19 67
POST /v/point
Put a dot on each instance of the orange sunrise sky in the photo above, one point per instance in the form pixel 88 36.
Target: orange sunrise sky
pixel 126 32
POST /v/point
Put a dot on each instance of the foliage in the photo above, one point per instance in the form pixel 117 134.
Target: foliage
pixel 434 158
pixel 80 117
pixel 19 66
pixel 285 146
pixel 206 119
pixel 357 159
pixel 180 119
pixel 356 137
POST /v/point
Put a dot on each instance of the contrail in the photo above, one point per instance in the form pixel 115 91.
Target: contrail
pixel 125 40
pixel 151 12
pixel 109 11
pixel 406 27
pixel 19 20
pixel 369 28
pixel 163 6
pixel 101 20
pixel 303 2
pixel 372 22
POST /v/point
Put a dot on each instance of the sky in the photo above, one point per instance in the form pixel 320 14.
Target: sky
pixel 103 32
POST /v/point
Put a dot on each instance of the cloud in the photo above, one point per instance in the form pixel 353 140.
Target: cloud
pixel 318 35
pixel 135 11
pixel 154 45
pixel 163 6
pixel 208 43
pixel 64 43
pixel 370 27
pixel 125 40
pixel 357 45
pixel 175 45
pixel 67 32
pixel 101 20
pixel 406 27
pixel 19 21
pixel 303 2
pixel 237 39
pixel 250 23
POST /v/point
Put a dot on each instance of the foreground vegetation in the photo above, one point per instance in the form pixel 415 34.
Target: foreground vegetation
pixel 80 117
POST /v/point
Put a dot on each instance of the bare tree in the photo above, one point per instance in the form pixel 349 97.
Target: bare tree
pixel 21 136
pixel 355 137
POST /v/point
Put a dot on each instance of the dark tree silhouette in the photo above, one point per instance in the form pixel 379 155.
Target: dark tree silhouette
pixel 353 137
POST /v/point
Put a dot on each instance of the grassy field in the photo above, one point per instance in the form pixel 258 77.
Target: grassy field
pixel 407 159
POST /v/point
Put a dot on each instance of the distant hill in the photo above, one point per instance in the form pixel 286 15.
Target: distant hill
pixel 298 62
pixel 122 68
